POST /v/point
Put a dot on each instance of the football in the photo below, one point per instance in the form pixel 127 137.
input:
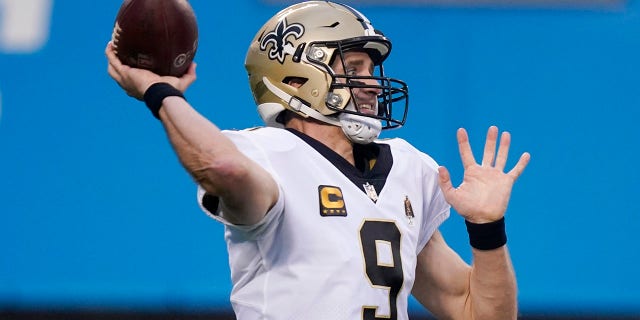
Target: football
pixel 157 35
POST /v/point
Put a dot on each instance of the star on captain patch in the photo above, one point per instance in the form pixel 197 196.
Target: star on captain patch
pixel 408 210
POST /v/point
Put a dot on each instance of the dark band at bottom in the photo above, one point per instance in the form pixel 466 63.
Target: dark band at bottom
pixel 156 93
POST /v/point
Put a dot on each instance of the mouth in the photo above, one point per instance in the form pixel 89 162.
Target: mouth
pixel 367 108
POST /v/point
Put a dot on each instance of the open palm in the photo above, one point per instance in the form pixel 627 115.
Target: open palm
pixel 485 190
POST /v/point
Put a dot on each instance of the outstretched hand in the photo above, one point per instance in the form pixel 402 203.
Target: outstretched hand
pixel 485 190
pixel 135 82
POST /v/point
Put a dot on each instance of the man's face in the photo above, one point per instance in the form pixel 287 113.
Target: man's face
pixel 358 63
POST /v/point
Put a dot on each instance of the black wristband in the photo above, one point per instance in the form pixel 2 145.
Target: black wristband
pixel 156 93
pixel 487 236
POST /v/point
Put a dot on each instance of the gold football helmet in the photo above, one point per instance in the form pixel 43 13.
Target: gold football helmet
pixel 299 44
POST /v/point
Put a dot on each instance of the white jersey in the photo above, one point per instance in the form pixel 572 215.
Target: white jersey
pixel 339 243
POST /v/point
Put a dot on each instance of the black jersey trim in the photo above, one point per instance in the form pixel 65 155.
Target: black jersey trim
pixel 361 173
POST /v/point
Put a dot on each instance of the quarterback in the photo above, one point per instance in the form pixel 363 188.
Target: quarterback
pixel 324 220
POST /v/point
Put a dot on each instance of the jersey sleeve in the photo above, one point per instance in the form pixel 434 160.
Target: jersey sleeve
pixel 436 207
pixel 254 231
pixel 439 210
pixel 211 206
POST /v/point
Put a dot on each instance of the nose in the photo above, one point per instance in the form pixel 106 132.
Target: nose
pixel 375 84
pixel 370 86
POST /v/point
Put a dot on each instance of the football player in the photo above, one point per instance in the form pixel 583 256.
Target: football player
pixel 324 220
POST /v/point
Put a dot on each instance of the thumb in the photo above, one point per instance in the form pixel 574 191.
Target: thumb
pixel 444 179
pixel 188 78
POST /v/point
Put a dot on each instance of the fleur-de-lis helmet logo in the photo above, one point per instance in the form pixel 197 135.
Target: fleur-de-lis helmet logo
pixel 278 38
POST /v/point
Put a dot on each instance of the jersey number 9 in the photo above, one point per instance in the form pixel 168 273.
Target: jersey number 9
pixel 384 273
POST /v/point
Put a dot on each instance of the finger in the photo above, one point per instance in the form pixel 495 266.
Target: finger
pixel 113 63
pixel 108 47
pixel 117 70
pixel 192 69
pixel 189 77
pixel 444 180
pixel 113 58
pixel 519 167
pixel 465 148
pixel 503 150
pixel 113 73
pixel 109 51
pixel 490 146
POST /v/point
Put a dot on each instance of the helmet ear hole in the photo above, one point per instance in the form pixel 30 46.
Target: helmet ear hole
pixel 295 82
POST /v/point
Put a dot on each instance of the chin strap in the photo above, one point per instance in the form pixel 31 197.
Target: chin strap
pixel 359 129
pixel 297 105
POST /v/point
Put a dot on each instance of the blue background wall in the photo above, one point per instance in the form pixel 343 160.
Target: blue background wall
pixel 95 210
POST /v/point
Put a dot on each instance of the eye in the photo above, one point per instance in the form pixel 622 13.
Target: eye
pixel 351 71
